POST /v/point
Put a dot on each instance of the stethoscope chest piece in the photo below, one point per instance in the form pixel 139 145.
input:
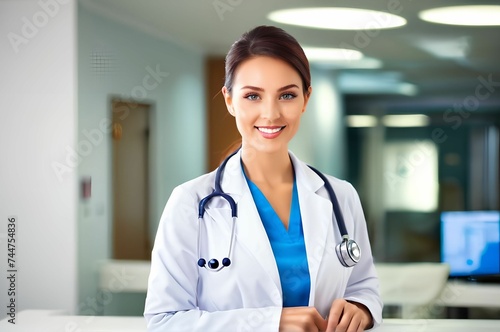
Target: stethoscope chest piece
pixel 348 252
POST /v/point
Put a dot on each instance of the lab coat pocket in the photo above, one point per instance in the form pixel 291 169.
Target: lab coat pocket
pixel 332 279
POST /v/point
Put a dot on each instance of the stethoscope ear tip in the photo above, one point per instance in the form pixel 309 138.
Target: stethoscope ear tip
pixel 226 262
pixel 201 262
pixel 213 264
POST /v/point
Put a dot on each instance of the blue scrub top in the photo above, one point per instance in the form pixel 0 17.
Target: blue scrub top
pixel 288 247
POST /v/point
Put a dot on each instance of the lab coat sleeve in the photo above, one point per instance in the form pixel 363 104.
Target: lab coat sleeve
pixel 171 301
pixel 363 284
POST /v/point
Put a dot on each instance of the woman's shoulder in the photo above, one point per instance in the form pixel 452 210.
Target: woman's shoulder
pixel 336 182
pixel 199 182
pixel 198 186
pixel 342 188
pixel 340 183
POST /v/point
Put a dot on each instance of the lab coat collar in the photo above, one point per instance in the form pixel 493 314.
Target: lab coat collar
pixel 316 213
pixel 234 182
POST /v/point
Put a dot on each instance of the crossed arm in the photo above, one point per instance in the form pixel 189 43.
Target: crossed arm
pixel 344 316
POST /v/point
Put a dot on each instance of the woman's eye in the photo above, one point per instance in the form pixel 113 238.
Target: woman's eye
pixel 288 96
pixel 252 96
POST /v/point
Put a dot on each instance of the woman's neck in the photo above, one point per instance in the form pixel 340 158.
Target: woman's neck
pixel 267 168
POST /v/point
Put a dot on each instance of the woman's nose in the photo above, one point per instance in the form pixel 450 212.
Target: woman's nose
pixel 270 111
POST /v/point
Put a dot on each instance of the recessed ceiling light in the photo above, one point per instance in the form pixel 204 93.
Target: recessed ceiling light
pixel 357 82
pixel 361 121
pixel 340 58
pixel 406 120
pixel 445 47
pixel 480 15
pixel 363 63
pixel 329 54
pixel 337 18
pixel 399 120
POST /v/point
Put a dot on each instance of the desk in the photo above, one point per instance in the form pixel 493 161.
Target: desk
pixel 132 276
pixel 124 275
pixel 469 294
pixel 460 296
pixel 56 321
pixel 439 325
pixel 53 321
pixel 456 297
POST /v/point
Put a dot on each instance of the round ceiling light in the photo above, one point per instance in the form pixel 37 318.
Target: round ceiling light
pixel 326 54
pixel 340 58
pixel 337 18
pixel 477 15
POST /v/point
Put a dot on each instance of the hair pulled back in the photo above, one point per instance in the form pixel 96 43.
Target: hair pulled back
pixel 267 41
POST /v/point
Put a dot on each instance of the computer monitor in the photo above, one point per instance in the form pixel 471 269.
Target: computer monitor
pixel 470 243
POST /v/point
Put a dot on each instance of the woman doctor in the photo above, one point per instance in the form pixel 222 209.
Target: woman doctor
pixel 283 272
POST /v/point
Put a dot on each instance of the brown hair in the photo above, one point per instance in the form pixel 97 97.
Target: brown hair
pixel 269 41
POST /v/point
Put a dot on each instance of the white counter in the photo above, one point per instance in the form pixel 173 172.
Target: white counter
pixel 52 321
pixel 132 276
pixel 470 294
pixel 439 325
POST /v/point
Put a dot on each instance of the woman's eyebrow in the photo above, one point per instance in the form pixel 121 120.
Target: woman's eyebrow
pixel 252 88
pixel 286 87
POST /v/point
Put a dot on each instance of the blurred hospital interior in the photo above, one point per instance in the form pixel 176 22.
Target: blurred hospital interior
pixel 110 104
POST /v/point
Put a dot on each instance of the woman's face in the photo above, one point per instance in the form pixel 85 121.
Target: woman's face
pixel 267 100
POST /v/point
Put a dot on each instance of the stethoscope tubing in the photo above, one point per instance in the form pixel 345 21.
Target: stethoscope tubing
pixel 348 251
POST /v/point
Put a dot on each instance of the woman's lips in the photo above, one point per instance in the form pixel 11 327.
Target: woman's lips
pixel 270 132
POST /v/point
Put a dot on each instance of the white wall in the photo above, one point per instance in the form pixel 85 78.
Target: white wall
pixel 177 132
pixel 37 127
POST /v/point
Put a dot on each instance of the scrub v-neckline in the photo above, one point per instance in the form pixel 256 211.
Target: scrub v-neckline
pixel 272 222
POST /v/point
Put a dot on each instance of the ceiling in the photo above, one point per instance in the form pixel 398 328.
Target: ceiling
pixel 445 64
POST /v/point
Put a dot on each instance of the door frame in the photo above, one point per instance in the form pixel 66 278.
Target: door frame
pixel 152 166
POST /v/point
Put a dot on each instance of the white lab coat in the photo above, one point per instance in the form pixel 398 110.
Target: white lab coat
pixel 246 296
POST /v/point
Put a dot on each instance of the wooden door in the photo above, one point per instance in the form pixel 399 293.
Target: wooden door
pixel 130 133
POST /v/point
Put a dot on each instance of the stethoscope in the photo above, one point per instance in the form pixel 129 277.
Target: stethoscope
pixel 347 251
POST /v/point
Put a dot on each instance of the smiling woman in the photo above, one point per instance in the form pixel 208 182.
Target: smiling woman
pixel 267 101
pixel 282 228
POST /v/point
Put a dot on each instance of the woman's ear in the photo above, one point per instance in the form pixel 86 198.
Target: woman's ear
pixel 307 95
pixel 228 100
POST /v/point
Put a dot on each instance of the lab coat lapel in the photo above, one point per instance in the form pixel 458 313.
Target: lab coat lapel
pixel 316 213
pixel 250 232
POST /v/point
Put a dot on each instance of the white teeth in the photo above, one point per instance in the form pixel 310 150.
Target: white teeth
pixel 270 130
